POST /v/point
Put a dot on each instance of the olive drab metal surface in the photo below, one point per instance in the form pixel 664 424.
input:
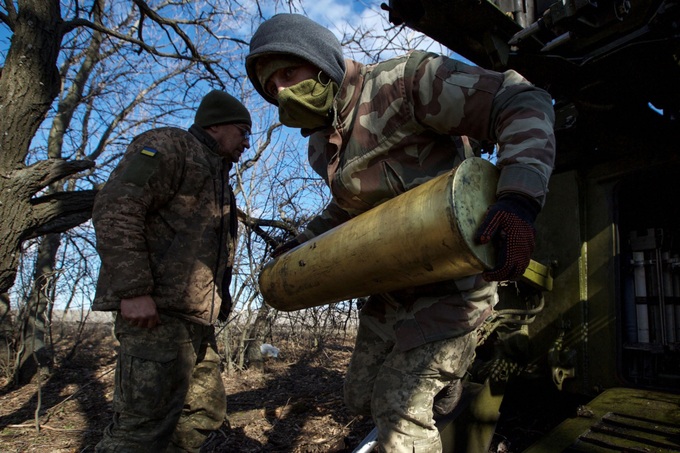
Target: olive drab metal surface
pixel 423 236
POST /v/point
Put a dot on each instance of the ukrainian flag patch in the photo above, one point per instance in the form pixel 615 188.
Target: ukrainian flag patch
pixel 149 151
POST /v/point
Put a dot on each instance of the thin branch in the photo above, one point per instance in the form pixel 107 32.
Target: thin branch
pixel 11 17
pixel 101 145
pixel 263 146
pixel 256 224
pixel 79 22
pixel 144 8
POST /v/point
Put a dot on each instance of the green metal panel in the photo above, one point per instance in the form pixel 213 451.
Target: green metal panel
pixel 619 419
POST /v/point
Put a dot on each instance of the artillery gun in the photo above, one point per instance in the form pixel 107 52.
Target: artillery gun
pixel 602 358
pixel 583 354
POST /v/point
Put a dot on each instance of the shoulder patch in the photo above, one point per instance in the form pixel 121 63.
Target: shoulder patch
pixel 148 151
pixel 139 167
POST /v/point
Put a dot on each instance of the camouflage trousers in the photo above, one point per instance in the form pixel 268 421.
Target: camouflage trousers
pixel 398 387
pixel 168 392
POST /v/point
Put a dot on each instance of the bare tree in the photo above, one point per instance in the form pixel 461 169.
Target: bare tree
pixel 277 194
pixel 81 78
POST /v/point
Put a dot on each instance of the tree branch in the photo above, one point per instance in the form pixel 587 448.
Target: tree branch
pixel 5 19
pixel 31 180
pixel 138 99
pixel 263 146
pixel 59 212
pixel 79 22
pixel 11 17
pixel 257 224
pixel 144 8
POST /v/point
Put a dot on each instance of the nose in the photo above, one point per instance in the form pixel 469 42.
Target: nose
pixel 275 85
pixel 275 90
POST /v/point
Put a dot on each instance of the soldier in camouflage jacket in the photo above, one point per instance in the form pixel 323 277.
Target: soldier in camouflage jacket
pixel 166 232
pixel 377 131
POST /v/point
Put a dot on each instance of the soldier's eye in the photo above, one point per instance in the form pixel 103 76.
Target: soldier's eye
pixel 270 89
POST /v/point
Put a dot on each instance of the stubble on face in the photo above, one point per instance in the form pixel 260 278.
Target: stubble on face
pixel 230 141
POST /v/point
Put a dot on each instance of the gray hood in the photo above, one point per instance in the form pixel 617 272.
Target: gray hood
pixel 297 35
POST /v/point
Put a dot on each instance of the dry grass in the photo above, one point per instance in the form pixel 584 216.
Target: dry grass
pixel 293 405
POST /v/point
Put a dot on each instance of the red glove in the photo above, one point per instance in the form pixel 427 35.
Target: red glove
pixel 509 225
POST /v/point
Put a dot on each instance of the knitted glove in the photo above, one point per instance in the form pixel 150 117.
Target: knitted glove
pixel 509 225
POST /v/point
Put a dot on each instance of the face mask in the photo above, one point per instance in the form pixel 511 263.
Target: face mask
pixel 307 104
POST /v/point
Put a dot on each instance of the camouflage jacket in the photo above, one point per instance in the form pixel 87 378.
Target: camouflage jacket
pixel 166 226
pixel 404 121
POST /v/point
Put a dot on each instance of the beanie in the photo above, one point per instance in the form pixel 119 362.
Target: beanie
pixel 267 65
pixel 300 36
pixel 219 107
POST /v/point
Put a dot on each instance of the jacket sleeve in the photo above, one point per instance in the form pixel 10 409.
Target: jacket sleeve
pixel 145 179
pixel 503 108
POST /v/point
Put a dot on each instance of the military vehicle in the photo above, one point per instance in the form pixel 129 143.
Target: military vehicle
pixel 582 354
pixel 600 368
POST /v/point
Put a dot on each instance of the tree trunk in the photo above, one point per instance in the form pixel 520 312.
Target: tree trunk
pixel 6 332
pixel 28 86
pixel 36 355
pixel 256 335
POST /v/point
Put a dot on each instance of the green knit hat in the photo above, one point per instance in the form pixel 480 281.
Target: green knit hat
pixel 219 107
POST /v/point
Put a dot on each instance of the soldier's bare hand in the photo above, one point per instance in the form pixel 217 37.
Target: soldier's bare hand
pixel 140 311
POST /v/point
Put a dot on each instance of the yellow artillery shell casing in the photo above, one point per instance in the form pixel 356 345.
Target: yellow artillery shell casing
pixel 423 236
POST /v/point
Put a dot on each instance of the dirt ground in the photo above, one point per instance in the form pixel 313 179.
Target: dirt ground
pixel 293 405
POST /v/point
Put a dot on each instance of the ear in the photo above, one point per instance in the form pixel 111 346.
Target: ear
pixel 212 131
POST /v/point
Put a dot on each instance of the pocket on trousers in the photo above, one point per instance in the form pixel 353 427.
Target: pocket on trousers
pixel 431 445
pixel 147 380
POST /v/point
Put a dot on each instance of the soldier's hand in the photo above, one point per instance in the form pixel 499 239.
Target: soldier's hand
pixel 283 248
pixel 225 308
pixel 509 225
pixel 140 311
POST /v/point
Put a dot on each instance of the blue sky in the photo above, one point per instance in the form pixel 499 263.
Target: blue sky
pixel 336 15
pixel 339 16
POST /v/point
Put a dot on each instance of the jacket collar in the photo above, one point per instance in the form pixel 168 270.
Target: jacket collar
pixel 345 103
pixel 203 137
pixel 206 139
pixel 345 100
pixel 349 92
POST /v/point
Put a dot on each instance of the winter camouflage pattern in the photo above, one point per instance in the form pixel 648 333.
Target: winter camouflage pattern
pixel 407 382
pixel 166 226
pixel 168 391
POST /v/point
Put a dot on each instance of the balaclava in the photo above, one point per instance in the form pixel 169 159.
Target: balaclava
pixel 301 37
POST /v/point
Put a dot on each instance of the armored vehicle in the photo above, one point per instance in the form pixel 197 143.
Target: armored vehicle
pixel 601 360
pixel 583 353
